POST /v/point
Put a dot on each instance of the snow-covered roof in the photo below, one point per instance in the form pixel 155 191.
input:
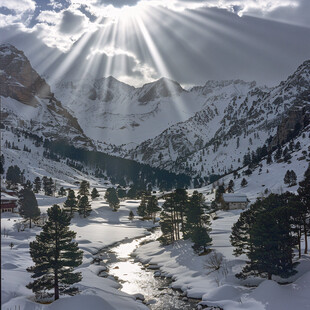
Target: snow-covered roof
pixel 235 198
pixel 5 196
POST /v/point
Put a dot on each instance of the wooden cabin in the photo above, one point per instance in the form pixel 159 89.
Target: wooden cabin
pixel 234 201
pixel 8 203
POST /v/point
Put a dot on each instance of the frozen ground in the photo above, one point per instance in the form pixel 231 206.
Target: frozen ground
pixel 188 270
pixel 101 229
pixel 222 288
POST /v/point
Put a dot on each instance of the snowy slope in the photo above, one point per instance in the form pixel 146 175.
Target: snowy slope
pixel 216 138
pixel 121 114
pixel 28 103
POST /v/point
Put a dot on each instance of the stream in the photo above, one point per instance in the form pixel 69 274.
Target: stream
pixel 136 279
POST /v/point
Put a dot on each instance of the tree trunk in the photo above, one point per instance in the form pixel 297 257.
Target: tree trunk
pixel 299 243
pixel 306 239
pixel 182 222
pixel 56 286
pixel 269 276
pixel 30 223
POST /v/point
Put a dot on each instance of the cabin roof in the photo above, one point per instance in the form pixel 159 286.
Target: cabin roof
pixel 235 198
pixel 6 197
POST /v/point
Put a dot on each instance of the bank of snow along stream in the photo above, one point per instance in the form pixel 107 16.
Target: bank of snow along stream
pixel 144 281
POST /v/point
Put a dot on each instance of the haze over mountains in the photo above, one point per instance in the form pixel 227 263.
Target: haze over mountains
pixel 201 131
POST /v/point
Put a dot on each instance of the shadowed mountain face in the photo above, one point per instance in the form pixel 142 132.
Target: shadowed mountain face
pixel 27 100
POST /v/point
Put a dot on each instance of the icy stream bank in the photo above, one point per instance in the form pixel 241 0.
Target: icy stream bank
pixel 140 281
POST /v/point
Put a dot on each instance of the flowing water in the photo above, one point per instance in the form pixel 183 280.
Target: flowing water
pixel 136 279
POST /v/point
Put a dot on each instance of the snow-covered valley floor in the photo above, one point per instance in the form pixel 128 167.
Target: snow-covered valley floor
pixel 104 227
pixel 188 270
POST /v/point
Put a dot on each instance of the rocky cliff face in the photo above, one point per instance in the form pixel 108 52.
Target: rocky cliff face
pixel 27 100
pixel 215 139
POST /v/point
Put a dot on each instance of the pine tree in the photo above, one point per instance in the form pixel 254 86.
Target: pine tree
pixel 14 175
pixel 28 185
pixel 141 211
pixel 84 188
pixel 269 159
pixel 168 221
pixel 181 202
pixel 304 197
pixel 29 209
pixel 94 193
pixel 240 234
pixel 219 192
pixel 112 199
pixel 244 182
pixel 2 164
pixel 84 206
pixel 264 234
pixel 55 255
pixel 230 188
pixel 197 225
pixel 152 207
pixel 293 178
pixel 272 245
pixel 62 191
pixel 37 185
pixel 290 178
pixel 131 215
pixel 48 186
pixel 70 205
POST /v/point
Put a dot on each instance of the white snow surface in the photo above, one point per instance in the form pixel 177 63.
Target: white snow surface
pixel 102 228
pixel 221 288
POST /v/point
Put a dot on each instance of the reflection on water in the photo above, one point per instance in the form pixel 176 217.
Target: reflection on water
pixel 135 279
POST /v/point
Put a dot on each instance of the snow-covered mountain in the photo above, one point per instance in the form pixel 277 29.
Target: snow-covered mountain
pixel 202 131
pixel 215 139
pixel 125 116
pixel 28 103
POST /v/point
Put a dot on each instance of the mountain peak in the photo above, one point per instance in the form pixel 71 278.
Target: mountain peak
pixel 300 79
pixel 164 87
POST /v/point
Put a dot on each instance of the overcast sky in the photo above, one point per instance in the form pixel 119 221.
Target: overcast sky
pixel 189 41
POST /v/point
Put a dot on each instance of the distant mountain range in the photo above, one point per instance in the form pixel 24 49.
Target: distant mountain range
pixel 201 131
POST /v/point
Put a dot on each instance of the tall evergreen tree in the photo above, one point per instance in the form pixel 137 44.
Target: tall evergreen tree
pixel 168 221
pixel 48 186
pixel 230 188
pixel 304 197
pixel 94 193
pixel 244 182
pixel 55 255
pixel 84 206
pixel 272 245
pixel 181 202
pixel 141 211
pixel 70 205
pixel 37 185
pixel 62 191
pixel 29 209
pixel 112 199
pixel 84 188
pixel 219 192
pixel 14 175
pixel 290 178
pixel 197 225
pixel 2 164
pixel 264 233
pixel 28 185
pixel 152 207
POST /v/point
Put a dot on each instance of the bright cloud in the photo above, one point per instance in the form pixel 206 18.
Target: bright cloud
pixel 137 71
pixel 18 6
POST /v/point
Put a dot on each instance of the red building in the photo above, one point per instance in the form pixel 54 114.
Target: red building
pixel 8 203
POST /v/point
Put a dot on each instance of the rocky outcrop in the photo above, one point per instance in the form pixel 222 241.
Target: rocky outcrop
pixel 295 120
pixel 22 83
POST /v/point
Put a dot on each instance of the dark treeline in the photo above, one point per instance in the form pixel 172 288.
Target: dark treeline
pixel 119 169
